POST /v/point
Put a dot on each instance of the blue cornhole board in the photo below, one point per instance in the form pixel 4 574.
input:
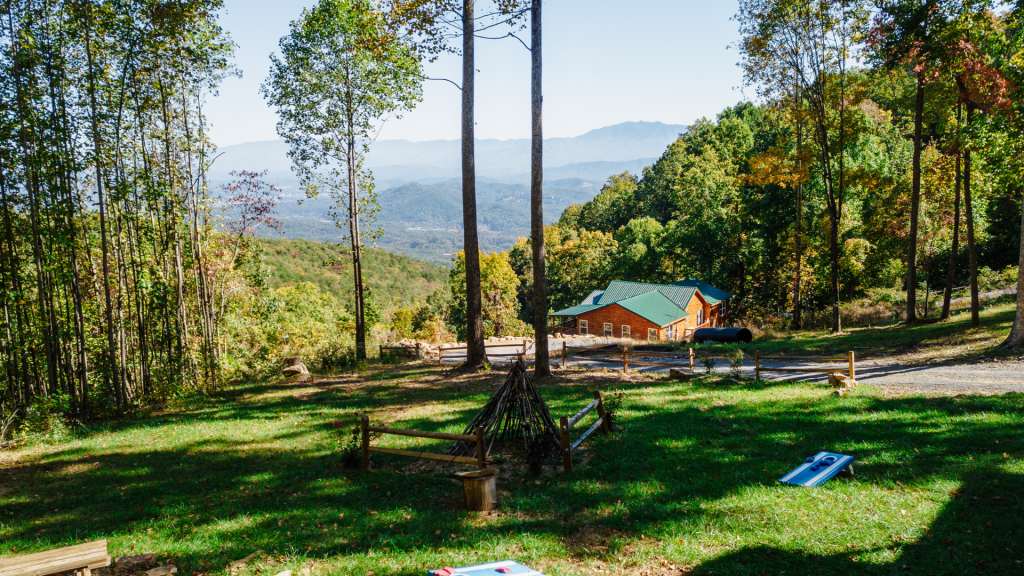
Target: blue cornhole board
pixel 516 569
pixel 817 469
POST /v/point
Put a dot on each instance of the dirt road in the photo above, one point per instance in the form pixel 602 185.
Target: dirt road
pixel 887 374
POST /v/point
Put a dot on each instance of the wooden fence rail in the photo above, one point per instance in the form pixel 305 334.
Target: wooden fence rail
pixel 480 460
pixel 849 360
pixel 625 360
pixel 566 424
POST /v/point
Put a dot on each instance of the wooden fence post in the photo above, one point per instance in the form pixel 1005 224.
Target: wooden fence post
pixel 757 365
pixel 625 360
pixel 381 351
pixel 564 355
pixel 566 444
pixel 440 356
pixel 853 372
pixel 600 412
pixel 692 367
pixel 418 357
pixel 364 424
pixel 524 346
pixel 480 455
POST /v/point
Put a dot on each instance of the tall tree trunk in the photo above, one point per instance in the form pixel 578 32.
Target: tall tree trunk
pixel 1015 340
pixel 971 248
pixel 915 204
pixel 540 296
pixel 101 202
pixel 475 353
pixel 947 295
pixel 798 320
pixel 353 223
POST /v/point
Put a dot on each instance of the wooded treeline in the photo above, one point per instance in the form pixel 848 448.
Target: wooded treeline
pixel 882 162
pixel 111 283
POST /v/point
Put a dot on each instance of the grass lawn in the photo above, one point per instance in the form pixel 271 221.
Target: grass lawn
pixel 950 340
pixel 688 485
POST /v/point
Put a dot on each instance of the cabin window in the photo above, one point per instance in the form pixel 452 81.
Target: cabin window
pixel 652 333
pixel 583 326
pixel 625 331
pixel 609 331
pixel 670 333
pixel 724 307
pixel 700 317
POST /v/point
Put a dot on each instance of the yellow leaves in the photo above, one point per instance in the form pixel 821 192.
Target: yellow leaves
pixel 778 167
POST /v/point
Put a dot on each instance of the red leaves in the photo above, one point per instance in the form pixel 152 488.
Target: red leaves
pixel 255 201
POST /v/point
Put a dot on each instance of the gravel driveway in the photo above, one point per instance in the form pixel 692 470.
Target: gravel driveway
pixel 890 375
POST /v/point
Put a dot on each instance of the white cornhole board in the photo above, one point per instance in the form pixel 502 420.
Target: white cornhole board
pixel 506 568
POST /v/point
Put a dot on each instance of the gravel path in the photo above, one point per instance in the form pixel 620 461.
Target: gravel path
pixel 890 375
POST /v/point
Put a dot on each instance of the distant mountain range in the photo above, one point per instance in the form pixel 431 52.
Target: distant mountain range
pixel 420 192
pixel 595 155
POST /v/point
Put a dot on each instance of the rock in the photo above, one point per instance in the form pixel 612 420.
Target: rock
pixel 840 380
pixel 239 565
pixel 291 361
pixel 674 374
pixel 840 392
pixel 304 378
pixel 299 368
pixel 134 562
pixel 162 570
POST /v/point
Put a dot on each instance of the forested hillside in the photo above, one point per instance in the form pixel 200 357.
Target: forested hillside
pixel 393 279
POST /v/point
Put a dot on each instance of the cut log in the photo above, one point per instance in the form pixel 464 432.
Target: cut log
pixel 480 491
pixel 163 570
pixel 291 361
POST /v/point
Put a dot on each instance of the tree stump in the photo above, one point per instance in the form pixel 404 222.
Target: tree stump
pixel 480 488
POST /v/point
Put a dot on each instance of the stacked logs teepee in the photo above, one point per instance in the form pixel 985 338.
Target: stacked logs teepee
pixel 516 411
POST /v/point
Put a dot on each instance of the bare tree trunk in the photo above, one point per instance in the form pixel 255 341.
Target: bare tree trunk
pixel 475 353
pixel 798 320
pixel 971 248
pixel 353 230
pixel 1015 340
pixel 540 296
pixel 915 205
pixel 947 295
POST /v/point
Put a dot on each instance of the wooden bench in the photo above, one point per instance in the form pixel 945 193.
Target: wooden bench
pixel 81 559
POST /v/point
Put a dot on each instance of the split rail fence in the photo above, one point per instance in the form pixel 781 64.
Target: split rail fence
pixel 480 460
pixel 595 355
pixel 850 366
pixel 566 424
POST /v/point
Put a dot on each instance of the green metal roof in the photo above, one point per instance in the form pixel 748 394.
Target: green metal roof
pixel 576 310
pixel 619 290
pixel 594 297
pixel 655 307
pixel 710 293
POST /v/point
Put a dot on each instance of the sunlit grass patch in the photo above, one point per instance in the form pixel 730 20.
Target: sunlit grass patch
pixel 688 481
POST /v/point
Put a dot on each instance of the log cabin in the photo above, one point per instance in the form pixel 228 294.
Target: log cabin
pixel 645 311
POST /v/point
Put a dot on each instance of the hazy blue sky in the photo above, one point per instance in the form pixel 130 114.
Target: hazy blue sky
pixel 605 62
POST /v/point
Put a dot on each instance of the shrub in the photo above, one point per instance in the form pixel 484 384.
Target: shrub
pixel 708 362
pixel 735 357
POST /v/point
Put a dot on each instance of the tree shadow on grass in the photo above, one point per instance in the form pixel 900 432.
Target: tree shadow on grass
pixel 978 532
pixel 216 499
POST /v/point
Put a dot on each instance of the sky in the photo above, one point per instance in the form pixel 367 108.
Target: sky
pixel 605 62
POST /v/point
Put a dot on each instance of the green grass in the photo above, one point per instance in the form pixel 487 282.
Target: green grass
pixel 689 481
pixel 950 340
